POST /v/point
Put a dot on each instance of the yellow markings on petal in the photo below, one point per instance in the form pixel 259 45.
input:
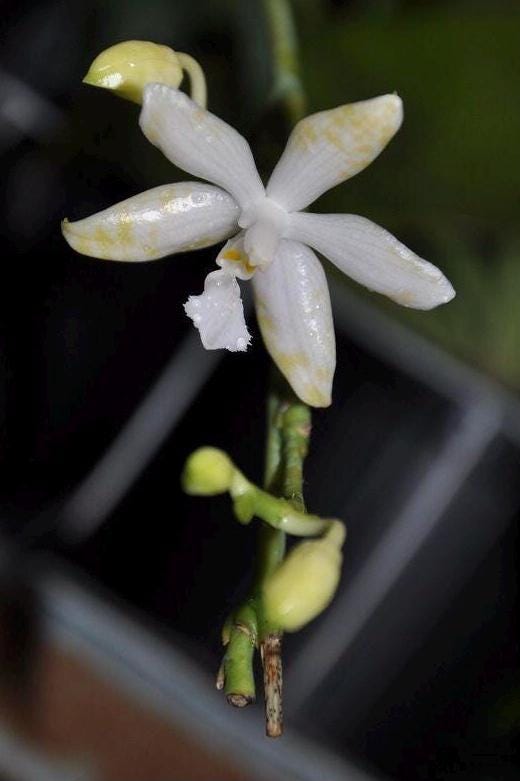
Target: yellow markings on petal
pixel 357 131
pixel 287 362
pixel 294 365
pixel 236 256
pixel 294 317
pixel 265 322
pixel 314 397
pixel 329 147
pixel 107 242
pixel 404 297
pixel 124 228
pixel 159 222
pixel 232 254
pixel 291 362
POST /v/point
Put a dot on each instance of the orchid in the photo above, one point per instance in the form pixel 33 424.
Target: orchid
pixel 271 239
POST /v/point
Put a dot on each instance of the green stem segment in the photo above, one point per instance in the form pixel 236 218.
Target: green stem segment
pixel 296 432
pixel 271 542
pixel 287 87
pixel 237 666
pixel 288 431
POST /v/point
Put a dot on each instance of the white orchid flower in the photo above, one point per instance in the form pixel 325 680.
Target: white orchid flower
pixel 273 241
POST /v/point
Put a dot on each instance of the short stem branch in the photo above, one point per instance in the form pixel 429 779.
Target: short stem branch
pixel 239 681
pixel 236 672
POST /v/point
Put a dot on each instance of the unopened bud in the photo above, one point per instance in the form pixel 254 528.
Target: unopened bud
pixel 207 472
pixel 306 581
pixel 127 67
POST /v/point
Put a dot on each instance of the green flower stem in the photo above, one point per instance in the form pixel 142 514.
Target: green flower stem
pixel 271 542
pixel 281 514
pixel 296 433
pixel 288 431
pixel 273 451
pixel 287 87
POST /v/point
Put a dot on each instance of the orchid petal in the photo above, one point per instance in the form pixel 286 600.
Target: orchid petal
pixel 374 258
pixel 218 313
pixel 327 148
pixel 167 219
pixel 294 315
pixel 199 142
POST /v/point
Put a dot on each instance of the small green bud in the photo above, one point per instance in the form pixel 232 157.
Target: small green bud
pixel 208 471
pixel 305 582
pixel 127 67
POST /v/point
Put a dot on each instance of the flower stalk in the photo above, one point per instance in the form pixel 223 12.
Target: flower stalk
pixel 287 86
pixel 288 432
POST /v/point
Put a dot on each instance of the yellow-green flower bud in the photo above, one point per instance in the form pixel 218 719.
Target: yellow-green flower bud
pixel 127 67
pixel 207 472
pixel 305 582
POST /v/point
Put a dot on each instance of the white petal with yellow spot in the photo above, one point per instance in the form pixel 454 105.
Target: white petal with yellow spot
pixel 327 148
pixel 156 223
pixel 294 314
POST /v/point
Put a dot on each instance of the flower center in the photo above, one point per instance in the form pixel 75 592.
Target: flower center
pixel 264 222
pixel 266 211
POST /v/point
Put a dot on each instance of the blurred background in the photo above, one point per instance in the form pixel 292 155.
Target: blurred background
pixel 113 584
